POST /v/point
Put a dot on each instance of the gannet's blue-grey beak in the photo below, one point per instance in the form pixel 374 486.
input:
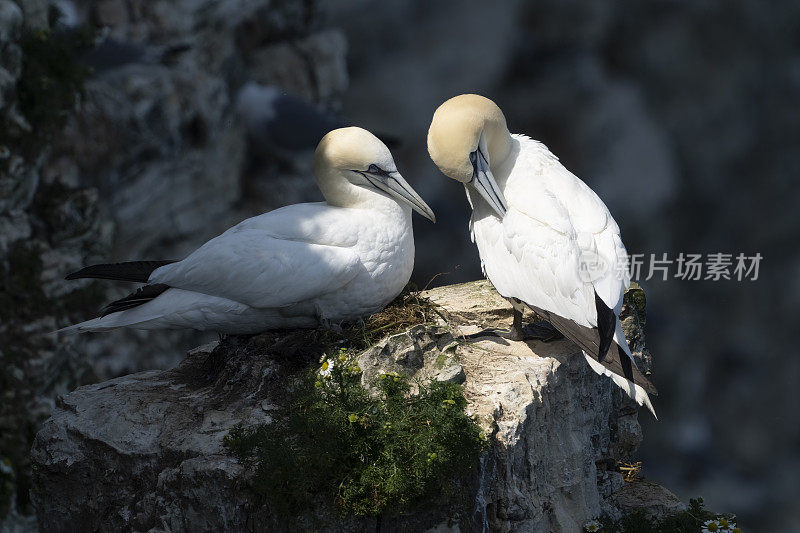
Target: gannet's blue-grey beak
pixel 483 181
pixel 393 184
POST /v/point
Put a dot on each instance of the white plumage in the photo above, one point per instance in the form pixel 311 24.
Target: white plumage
pixel 553 221
pixel 545 237
pixel 300 265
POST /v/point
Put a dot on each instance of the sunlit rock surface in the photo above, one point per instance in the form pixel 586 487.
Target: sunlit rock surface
pixel 145 450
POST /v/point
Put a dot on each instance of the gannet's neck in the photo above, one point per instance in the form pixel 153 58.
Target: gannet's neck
pixel 503 164
pixel 498 141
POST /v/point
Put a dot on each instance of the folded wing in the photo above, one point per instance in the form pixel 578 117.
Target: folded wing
pixel 259 270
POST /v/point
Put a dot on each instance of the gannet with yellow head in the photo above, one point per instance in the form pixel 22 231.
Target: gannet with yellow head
pixel 545 239
pixel 297 266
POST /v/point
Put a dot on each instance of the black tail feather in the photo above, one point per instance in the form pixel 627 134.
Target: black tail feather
pixel 606 326
pixel 137 271
pixel 141 296
pixel 589 340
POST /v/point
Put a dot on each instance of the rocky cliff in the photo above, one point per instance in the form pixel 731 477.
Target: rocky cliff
pixel 46 226
pixel 144 451
pixel 127 144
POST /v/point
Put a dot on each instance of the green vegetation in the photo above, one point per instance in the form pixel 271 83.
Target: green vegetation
pixel 369 452
pixel 693 520
pixel 48 89
pixel 636 298
pixel 52 78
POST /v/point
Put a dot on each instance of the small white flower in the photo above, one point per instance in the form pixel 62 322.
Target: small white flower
pixel 326 368
pixel 711 526
pixel 725 524
pixel 592 526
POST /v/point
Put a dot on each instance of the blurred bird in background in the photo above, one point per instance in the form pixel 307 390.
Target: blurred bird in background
pixel 287 123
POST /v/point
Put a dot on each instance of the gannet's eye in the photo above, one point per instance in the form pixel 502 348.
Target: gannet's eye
pixel 375 169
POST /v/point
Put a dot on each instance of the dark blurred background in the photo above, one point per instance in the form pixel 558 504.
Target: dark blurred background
pixel 684 116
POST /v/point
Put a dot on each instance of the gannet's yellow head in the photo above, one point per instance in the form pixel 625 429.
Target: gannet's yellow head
pixel 468 134
pixel 352 165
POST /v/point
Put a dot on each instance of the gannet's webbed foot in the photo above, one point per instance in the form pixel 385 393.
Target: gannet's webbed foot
pixel 327 324
pixel 507 334
pixel 513 334
pixel 543 331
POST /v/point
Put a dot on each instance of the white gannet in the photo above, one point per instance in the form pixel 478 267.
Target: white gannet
pixel 545 239
pixel 298 266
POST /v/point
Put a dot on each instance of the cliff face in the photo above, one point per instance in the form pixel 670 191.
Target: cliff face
pixel 145 450
pixel 143 155
pixel 46 226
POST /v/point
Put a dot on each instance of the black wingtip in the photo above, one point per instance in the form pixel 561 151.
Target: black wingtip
pixel 141 296
pixel 606 326
pixel 85 272
pixel 590 340
pixel 135 271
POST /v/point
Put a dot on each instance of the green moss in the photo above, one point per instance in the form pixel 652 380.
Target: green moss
pixel 52 78
pixel 635 298
pixel 49 86
pixel 444 359
pixel 691 520
pixel 367 454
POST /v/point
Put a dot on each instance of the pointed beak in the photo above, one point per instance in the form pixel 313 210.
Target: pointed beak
pixel 483 181
pixel 393 184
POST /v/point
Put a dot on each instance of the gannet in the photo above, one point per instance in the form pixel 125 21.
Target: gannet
pixel 545 239
pixel 280 120
pixel 286 122
pixel 298 266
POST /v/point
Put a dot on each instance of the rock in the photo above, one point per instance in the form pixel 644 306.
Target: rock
pixel 651 498
pixel 10 20
pixel 46 225
pixel 35 13
pixel 145 451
